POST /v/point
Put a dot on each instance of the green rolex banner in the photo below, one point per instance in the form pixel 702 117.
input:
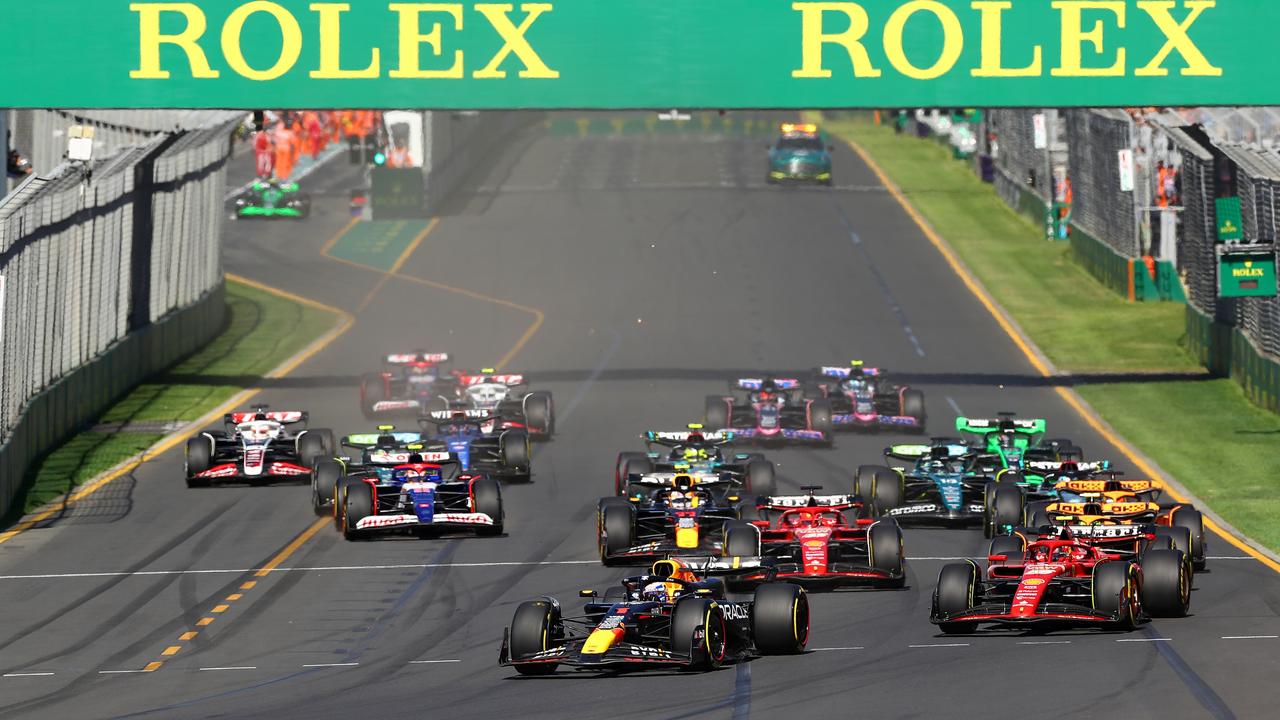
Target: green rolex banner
pixel 1230 220
pixel 612 54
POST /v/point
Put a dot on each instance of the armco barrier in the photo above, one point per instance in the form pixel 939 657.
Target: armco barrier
pixel 1227 352
pixel 65 407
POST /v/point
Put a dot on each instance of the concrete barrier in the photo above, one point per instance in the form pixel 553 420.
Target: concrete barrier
pixel 67 406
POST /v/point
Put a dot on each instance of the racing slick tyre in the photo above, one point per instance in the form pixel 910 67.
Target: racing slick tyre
pixel 486 494
pixel 957 585
pixel 1007 509
pixel 372 391
pixel 717 413
pixel 435 404
pixel 535 624
pixel 1188 517
pixel 1166 586
pixel 324 481
pixel 199 453
pixel 513 450
pixel 1010 546
pixel 820 416
pixel 635 466
pixel 884 552
pixel 761 479
pixel 357 504
pixel 913 406
pixel 749 509
pixel 1115 591
pixel 1067 450
pixel 330 444
pixel 617 527
pixel 707 648
pixel 310 449
pixel 620 470
pixel 780 619
pixel 741 539
pixel 1037 514
pixel 879 484
pixel 539 415
pixel 339 501
pixel 1177 539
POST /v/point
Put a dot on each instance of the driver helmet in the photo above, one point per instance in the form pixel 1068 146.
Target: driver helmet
pixel 662 592
pixel 683 483
pixel 1079 553
pixel 1040 554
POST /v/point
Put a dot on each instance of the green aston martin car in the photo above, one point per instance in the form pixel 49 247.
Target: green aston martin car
pixel 269 198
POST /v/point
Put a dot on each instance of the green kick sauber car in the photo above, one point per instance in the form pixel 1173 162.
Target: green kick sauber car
pixel 799 155
pixel 267 198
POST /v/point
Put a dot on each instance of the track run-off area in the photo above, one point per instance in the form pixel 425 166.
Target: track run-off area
pixel 630 275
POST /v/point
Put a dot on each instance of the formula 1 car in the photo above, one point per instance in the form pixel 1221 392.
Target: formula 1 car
pixel 492 392
pixel 1061 583
pixel 863 399
pixel 699 451
pixel 472 437
pixel 272 198
pixel 379 453
pixel 667 514
pixel 406 386
pixel 1110 501
pixel 940 488
pixel 418 496
pixel 255 447
pixel 1008 443
pixel 771 411
pixel 799 155
pixel 669 617
pixel 809 540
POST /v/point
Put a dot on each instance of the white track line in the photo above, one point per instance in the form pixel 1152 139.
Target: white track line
pixel 28 674
pixel 940 645
pixel 1250 637
pixel 1045 642
pixel 833 649
pixel 431 662
pixel 1144 640
pixel 238 667
pixel 121 672
pixel 321 665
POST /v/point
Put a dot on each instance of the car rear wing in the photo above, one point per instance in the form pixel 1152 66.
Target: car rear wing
pixel 415 358
pixel 508 379
pixel 676 439
pixel 790 502
pixel 439 416
pixel 1053 466
pixel 758 383
pixel 985 426
pixel 914 452
pixel 402 456
pixel 843 373
pixel 664 479
pixel 1147 489
pixel 363 441
pixel 284 417
pixel 711 565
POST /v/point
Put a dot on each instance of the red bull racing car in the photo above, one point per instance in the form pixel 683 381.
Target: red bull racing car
pixel 256 447
pixel 668 618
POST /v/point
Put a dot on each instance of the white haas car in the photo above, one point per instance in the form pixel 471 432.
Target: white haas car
pixel 501 396
pixel 256 447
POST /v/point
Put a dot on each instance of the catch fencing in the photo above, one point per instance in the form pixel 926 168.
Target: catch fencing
pixel 111 266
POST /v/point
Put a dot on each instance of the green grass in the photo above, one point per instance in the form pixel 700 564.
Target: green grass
pixel 263 330
pixel 1204 432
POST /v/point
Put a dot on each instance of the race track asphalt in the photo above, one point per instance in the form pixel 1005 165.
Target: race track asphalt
pixel 662 264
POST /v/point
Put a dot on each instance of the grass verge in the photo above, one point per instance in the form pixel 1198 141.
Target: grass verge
pixel 1204 432
pixel 263 331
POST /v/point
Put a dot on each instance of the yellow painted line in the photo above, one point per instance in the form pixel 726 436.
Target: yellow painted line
pixel 188 635
pixel 399 263
pixel 1069 397
pixel 204 621
pixel 339 235
pixel 171 650
pixel 220 608
pixel 152 666
pixel 234 597
pixel 248 585
pixel 538 316
pixel 291 548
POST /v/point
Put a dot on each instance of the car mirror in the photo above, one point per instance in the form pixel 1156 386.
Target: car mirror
pixel 587 593
pixel 997 558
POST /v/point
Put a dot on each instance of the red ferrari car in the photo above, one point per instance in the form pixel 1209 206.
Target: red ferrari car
pixel 1062 583
pixel 811 541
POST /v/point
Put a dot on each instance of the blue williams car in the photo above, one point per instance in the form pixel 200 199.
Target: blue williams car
pixel 799 155
pixel 477 440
